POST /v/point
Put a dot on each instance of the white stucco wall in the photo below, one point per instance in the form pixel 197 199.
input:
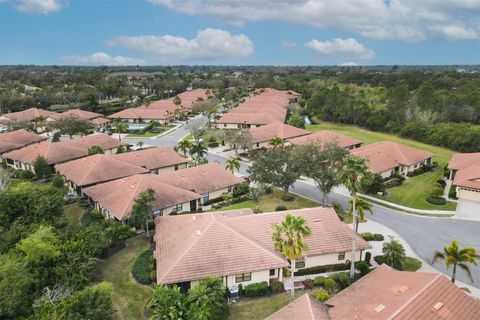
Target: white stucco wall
pixel 328 259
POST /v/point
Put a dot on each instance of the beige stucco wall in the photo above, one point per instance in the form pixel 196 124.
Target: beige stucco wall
pixel 327 259
pixel 226 125
pixel 169 168
pixel 468 194
pixel 217 193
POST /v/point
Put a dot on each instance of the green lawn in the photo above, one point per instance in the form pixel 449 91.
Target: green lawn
pixel 414 191
pixel 411 264
pixel 142 135
pixel 259 308
pixel 129 297
pixel 271 201
pixel 73 212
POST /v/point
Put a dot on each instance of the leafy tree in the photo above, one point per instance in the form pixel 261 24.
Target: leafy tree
pixel 40 245
pixel 361 205
pixel 232 164
pixel 372 184
pixel 207 300
pixel 168 303
pixel 351 173
pixel 95 150
pixel 143 208
pixel 177 101
pixel 236 139
pixel 453 255
pixel 184 145
pixel 56 137
pixel 5 178
pixel 277 166
pixel 72 125
pixel 393 253
pixel 288 240
pixel 42 168
pixel 296 120
pixel 255 194
pixel 276 141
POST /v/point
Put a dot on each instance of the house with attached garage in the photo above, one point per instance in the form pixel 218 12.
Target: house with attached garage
pixel 237 245
pixel 261 136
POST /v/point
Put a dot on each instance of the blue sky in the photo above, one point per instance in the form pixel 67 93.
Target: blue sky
pixel 296 32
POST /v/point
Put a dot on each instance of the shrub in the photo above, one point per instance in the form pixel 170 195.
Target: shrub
pixel 368 236
pixel 452 193
pixel 330 285
pixel 256 289
pixel 394 182
pixel 368 257
pixel 57 181
pixel 319 281
pixel 437 192
pixel 213 144
pixel 277 287
pixel 363 267
pixel 141 268
pixel 308 283
pixel 280 208
pixel 23 174
pixel 321 295
pixel 342 279
pixel 257 211
pixel 436 200
pixel 287 272
pixel 241 189
pixel 287 197
pixel 323 269
pixel 441 183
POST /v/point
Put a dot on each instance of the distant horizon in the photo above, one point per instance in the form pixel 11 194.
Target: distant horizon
pixel 239 66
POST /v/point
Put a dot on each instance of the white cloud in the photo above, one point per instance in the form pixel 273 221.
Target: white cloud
pixel 208 44
pixel 348 64
pixel 455 32
pixel 288 44
pixel 43 7
pixel 102 59
pixel 406 20
pixel 347 48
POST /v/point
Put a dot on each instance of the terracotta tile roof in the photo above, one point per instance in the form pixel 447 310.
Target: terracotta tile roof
pixel 468 177
pixel 386 155
pixel 226 243
pixel 303 308
pixel 96 169
pixel 63 151
pixel 29 115
pixel 187 98
pixel 18 139
pixel 461 161
pixel 118 196
pixel 152 158
pixel 277 129
pixel 165 105
pixel 324 136
pixel 390 294
pixel 87 115
pixel 201 179
pixel 99 121
pixel 141 113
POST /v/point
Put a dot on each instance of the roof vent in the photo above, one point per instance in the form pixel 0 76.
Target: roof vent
pixel 132 186
pixel 317 220
pixel 379 308
pixel 198 233
pixel 400 290
pixel 438 306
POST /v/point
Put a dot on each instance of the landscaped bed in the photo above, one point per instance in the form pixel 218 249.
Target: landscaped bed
pixel 155 132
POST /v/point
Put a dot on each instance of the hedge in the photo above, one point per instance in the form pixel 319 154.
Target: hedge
pixel 143 267
pixel 368 236
pixel 436 200
pixel 256 289
pixel 277 287
pixel 319 281
pixel 321 295
pixel 323 269
pixel 280 208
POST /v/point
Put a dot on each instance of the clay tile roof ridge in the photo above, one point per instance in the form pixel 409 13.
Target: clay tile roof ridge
pixel 133 193
pixel 86 174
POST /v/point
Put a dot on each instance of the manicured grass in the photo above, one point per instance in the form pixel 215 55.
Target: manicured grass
pixel 259 308
pixel 129 297
pixel 414 191
pixel 142 135
pixel 411 264
pixel 271 201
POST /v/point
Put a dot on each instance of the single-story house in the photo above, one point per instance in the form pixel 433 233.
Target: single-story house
pixel 96 119
pixel 59 152
pixel 386 293
pixel 261 136
pixel 115 199
pixel 387 158
pixel 323 137
pixel 92 170
pixel 156 160
pixel 21 118
pixel 237 245
pixel 142 115
pixel 465 176
pixel 18 139
pixel 210 180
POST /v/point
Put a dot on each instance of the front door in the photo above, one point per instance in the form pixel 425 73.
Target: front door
pixel 193 205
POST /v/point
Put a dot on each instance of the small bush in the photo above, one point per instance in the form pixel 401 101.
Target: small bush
pixel 142 267
pixel 323 269
pixel 287 272
pixel 241 189
pixel 437 192
pixel 368 257
pixel 394 182
pixel 452 193
pixel 330 285
pixel 342 279
pixel 23 174
pixel 436 200
pixel 319 281
pixel 213 144
pixel 280 208
pixel 321 295
pixel 441 183
pixel 277 287
pixel 363 267
pixel 308 283
pixel 287 197
pixel 368 236
pixel 256 289
pixel 257 211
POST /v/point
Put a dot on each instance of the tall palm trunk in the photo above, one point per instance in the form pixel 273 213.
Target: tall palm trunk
pixel 354 238
pixel 454 272
pixel 146 227
pixel 292 269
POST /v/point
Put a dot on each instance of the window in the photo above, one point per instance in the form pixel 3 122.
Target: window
pixel 258 145
pixel 178 208
pixel 205 197
pixel 229 189
pixel 300 264
pixel 341 255
pixel 272 272
pixel 176 167
pixel 242 277
pixel 224 125
pixel 158 213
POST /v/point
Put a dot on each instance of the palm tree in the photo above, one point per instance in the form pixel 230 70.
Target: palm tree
pixel 361 205
pixel 288 240
pixel 393 253
pixel 184 145
pixel 455 256
pixel 232 164
pixel 276 141
pixel 139 145
pixel 351 173
pixel 38 120
pixel 119 128
pixel 198 149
